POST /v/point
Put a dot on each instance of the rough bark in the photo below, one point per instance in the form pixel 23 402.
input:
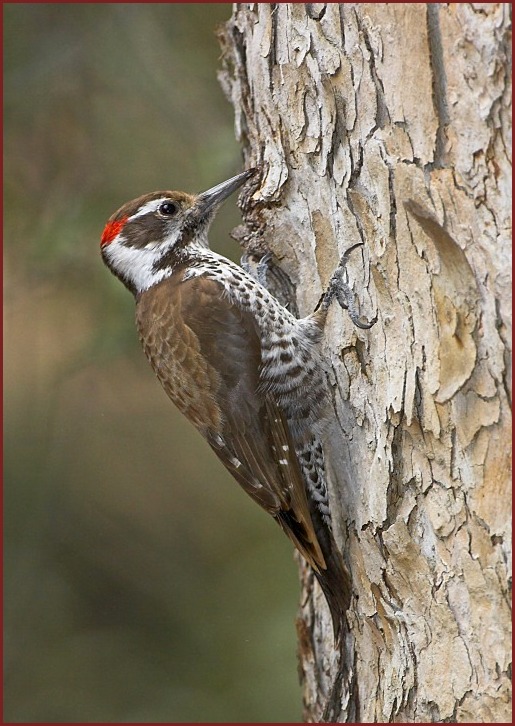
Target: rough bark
pixel 389 124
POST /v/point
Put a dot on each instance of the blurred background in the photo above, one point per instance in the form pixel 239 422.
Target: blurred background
pixel 141 583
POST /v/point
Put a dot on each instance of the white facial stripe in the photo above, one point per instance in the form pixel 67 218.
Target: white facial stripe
pixel 149 207
pixel 135 264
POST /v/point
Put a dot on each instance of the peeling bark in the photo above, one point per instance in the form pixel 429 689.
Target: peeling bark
pixel 390 124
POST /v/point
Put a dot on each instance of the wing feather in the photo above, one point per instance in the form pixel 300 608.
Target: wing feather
pixel 218 366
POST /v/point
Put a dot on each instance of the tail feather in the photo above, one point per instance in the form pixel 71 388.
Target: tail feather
pixel 334 580
pixel 335 584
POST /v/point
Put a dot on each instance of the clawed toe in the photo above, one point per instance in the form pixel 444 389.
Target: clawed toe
pixel 339 289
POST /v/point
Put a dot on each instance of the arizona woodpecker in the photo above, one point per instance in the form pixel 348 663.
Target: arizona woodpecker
pixel 240 366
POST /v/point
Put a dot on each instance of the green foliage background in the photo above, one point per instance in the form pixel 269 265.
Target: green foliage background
pixel 141 584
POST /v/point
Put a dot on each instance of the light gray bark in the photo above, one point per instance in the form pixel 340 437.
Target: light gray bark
pixel 390 124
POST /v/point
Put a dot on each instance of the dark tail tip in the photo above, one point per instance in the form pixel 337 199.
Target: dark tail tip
pixel 337 594
pixel 336 586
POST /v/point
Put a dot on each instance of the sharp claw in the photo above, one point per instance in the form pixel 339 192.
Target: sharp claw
pixel 245 262
pixel 338 288
pixel 364 326
pixel 347 252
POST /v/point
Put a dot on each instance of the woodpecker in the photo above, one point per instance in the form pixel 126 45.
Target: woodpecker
pixel 237 364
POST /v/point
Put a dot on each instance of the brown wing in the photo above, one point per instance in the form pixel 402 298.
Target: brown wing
pixel 207 354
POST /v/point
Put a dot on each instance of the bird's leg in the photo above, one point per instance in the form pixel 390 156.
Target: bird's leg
pixel 338 288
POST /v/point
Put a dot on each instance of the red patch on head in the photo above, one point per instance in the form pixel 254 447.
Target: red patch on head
pixel 111 230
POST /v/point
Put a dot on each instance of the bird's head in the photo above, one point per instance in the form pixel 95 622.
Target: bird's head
pixel 147 237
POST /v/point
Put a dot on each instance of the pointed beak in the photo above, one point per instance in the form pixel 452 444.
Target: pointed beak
pixel 208 202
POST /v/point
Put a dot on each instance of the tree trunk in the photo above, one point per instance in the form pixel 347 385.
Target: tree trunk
pixel 388 124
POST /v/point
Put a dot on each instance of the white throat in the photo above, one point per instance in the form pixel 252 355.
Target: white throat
pixel 136 264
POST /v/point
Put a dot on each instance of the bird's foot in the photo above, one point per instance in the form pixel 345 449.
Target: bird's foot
pixel 260 268
pixel 272 277
pixel 338 288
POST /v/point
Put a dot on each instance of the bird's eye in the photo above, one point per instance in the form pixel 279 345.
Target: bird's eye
pixel 167 209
